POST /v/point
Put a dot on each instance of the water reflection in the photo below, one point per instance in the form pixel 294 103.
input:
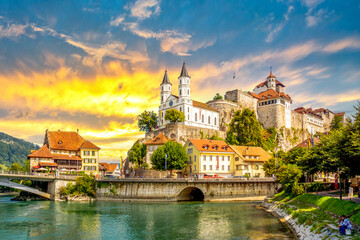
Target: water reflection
pixel 116 220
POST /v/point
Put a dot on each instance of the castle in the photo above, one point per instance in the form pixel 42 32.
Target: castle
pixel 268 100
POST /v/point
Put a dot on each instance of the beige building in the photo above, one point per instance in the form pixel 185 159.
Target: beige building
pixel 152 145
pixel 249 161
pixel 66 151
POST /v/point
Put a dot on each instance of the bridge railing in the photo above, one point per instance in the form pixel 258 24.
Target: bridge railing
pixel 185 179
pixel 38 174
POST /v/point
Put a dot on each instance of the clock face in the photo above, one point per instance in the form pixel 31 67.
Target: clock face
pixel 171 103
pixel 188 100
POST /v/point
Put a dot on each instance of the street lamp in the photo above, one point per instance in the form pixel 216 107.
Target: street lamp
pixel 339 172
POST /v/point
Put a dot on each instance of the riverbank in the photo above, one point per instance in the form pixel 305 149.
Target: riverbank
pixel 314 217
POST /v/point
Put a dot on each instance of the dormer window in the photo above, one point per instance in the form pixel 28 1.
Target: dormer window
pixel 60 142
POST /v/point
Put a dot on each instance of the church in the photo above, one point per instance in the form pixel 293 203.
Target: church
pixel 197 114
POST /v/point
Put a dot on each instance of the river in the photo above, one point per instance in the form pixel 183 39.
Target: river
pixel 119 220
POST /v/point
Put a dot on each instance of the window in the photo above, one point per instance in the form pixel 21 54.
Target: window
pixel 223 167
pixel 237 167
pixel 93 153
pixel 195 168
pixel 189 160
pixel 188 92
pixel 204 167
pixel 209 120
pixel 214 121
pixel 180 92
pixel 188 109
pixel 237 159
pixel 162 88
pixel 256 167
pixel 180 109
pixel 162 98
pixel 210 157
pixel 194 158
pixel 229 158
pixel 180 81
pixel 229 168
pixel 246 167
pixel 223 158
pixel 86 153
pixel 188 116
pixel 210 167
pixel 190 150
pixel 202 118
pixel 204 157
pixel 195 117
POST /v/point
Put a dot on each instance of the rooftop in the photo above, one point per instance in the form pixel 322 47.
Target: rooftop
pixel 251 151
pixel 205 145
pixel 160 139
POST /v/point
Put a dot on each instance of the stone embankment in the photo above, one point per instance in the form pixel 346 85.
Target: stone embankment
pixel 77 198
pixel 303 228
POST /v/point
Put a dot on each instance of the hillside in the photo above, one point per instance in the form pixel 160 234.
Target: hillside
pixel 14 149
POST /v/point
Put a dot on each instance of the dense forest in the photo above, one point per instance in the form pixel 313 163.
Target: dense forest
pixel 14 150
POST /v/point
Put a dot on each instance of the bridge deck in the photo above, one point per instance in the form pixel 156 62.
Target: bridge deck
pixel 186 180
pixel 24 188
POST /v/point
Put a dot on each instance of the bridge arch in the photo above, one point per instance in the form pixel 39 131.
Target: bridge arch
pixel 190 194
pixel 8 183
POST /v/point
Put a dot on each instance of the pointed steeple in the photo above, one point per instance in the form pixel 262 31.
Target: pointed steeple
pixel 166 79
pixel 271 75
pixel 184 72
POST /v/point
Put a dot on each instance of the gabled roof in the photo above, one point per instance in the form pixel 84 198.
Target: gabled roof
pixel 166 79
pixel 205 145
pixel 309 111
pixel 62 140
pixel 184 72
pixel 203 105
pixel 270 94
pixel 251 151
pixel 43 152
pixel 108 167
pixel 160 139
pixel 88 144
pixel 340 114
pixel 265 83
pixel 305 143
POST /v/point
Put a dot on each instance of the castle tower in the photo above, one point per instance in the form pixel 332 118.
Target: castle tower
pixel 184 83
pixel 165 88
pixel 271 81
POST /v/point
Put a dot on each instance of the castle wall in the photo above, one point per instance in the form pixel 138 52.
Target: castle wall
pixel 181 133
pixel 272 115
pixel 226 109
pixel 297 120
pixel 244 100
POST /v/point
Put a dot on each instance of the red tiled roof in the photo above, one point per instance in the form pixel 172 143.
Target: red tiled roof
pixel 66 157
pixel 309 111
pixel 47 164
pixel 305 143
pixel 43 152
pixel 88 144
pixel 203 105
pixel 62 140
pixel 265 83
pixel 201 145
pixel 109 167
pixel 158 140
pixel 252 151
pixel 270 94
pixel 322 110
pixel 340 114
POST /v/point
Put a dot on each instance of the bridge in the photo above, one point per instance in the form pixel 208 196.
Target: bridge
pixel 256 189
pixel 53 186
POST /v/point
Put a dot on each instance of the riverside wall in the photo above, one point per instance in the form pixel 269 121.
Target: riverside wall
pixel 182 189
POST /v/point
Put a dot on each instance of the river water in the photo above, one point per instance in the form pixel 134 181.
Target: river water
pixel 118 220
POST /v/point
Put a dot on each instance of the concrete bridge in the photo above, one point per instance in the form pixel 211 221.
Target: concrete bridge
pixel 53 186
pixel 185 189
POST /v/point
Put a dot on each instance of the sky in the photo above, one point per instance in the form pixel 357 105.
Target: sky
pixel 96 65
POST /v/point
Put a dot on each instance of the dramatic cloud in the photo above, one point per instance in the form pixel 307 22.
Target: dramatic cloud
pixel 12 30
pixel 342 44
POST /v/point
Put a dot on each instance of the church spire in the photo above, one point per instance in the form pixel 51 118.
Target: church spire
pixel 166 79
pixel 184 72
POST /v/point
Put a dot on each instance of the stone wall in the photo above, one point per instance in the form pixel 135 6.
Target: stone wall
pixel 54 188
pixel 226 109
pixel 272 115
pixel 179 189
pixel 243 99
pixel 181 133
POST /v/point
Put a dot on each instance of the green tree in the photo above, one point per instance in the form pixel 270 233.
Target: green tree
pixel 245 129
pixel 337 123
pixel 288 175
pixel 16 167
pixel 271 166
pixel 83 185
pixel 137 153
pixel 176 157
pixel 215 137
pixel 174 115
pixel 217 96
pixel 147 121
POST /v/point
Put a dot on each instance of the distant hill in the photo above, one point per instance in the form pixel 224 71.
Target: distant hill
pixel 14 149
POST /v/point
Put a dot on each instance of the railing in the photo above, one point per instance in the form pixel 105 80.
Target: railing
pixel 38 174
pixel 186 179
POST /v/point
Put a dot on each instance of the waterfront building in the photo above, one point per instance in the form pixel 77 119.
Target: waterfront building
pixel 152 145
pixel 66 151
pixel 249 160
pixel 209 158
pixel 109 169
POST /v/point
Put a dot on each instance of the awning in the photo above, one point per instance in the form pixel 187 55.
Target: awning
pixel 47 164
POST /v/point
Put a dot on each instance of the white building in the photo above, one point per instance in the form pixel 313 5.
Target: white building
pixel 197 114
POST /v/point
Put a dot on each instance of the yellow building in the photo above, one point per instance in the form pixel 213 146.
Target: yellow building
pixel 209 158
pixel 89 153
pixel 249 160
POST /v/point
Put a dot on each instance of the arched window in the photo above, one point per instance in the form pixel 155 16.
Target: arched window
pixel 180 109
pixel 209 120
pixel 195 117
pixel 162 88
pixel 180 92
pixel 202 118
pixel 188 116
pixel 180 81
pixel 188 92
pixel 214 121
pixel 162 98
pixel 188 109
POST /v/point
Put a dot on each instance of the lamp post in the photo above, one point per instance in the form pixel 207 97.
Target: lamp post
pixel 339 172
pixel 166 164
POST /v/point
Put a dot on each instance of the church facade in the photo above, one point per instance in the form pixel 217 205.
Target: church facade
pixel 197 114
